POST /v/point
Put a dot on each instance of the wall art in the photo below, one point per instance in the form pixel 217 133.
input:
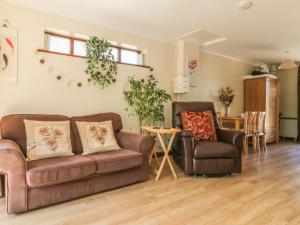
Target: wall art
pixel 8 55
pixel 191 68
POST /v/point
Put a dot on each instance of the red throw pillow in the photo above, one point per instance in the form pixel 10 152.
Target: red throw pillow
pixel 201 124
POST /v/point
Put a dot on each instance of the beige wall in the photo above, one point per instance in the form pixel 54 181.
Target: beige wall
pixel 38 91
pixel 288 91
pixel 215 72
pixel 288 101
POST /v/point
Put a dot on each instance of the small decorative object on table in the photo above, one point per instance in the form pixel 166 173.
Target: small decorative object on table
pixel 166 149
pixel 226 96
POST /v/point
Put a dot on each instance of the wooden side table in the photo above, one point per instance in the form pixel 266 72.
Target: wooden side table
pixel 235 121
pixel 166 149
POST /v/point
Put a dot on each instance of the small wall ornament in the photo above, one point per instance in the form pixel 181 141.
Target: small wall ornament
pixel 101 65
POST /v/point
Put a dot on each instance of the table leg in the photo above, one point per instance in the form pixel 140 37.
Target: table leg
pixel 153 153
pixel 166 155
pixel 237 125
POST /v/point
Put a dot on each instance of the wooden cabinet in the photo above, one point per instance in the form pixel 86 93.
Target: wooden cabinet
pixel 262 94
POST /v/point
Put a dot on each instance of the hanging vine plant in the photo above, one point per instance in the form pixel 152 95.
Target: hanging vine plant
pixel 101 65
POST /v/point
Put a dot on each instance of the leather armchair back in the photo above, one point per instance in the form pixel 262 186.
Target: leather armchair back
pixel 179 107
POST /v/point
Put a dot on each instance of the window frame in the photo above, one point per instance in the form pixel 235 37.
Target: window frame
pixel 71 52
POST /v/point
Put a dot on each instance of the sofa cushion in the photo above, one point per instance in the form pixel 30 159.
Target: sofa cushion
pixel 205 150
pixel 97 137
pixel 50 171
pixel 115 119
pixel 123 159
pixel 47 139
pixel 13 127
pixel 201 124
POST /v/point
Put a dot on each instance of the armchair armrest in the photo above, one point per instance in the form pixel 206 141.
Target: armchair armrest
pixel 234 137
pixel 13 166
pixel 186 133
pixel 136 142
pixel 184 152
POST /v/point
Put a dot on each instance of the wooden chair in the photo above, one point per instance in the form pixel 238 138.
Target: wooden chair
pixel 249 130
pixel 261 131
pixel 219 117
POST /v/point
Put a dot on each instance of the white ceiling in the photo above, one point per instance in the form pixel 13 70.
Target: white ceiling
pixel 262 32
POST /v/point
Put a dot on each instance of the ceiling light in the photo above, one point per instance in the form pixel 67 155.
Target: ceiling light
pixel 288 64
pixel 244 5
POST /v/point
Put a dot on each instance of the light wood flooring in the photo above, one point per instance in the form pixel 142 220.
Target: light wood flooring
pixel 267 192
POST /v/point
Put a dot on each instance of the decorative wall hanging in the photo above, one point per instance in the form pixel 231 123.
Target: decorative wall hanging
pixel 101 68
pixel 147 100
pixel 8 54
pixel 191 67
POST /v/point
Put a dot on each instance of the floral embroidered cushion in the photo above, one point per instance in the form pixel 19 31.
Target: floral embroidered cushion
pixel 201 124
pixel 47 139
pixel 97 137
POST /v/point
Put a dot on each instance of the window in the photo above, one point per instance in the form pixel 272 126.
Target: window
pixel 59 44
pixel 75 46
pixel 129 56
pixel 79 48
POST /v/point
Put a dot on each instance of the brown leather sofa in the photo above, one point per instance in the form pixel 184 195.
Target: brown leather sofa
pixel 34 184
pixel 206 158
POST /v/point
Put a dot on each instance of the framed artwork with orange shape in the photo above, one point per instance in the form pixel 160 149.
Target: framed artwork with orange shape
pixel 8 55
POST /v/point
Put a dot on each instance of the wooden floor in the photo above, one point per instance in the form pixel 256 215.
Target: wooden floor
pixel 267 192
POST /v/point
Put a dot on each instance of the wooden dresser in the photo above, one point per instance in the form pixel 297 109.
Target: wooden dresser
pixel 261 93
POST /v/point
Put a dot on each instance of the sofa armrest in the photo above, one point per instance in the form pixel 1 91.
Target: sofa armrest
pixel 229 136
pixel 136 142
pixel 13 166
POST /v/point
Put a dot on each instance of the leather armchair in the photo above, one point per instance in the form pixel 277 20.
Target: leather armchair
pixel 200 157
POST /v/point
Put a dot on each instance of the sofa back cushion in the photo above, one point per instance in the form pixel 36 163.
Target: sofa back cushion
pixel 115 119
pixel 13 127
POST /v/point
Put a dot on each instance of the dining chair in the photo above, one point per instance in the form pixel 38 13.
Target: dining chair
pixel 261 142
pixel 249 130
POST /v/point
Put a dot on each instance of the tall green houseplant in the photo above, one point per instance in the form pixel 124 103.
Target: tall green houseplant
pixel 147 100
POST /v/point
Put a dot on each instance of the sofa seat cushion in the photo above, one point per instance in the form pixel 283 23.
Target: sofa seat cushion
pixel 108 162
pixel 206 150
pixel 50 171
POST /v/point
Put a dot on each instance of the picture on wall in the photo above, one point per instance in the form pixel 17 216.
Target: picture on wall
pixel 8 55
pixel 191 68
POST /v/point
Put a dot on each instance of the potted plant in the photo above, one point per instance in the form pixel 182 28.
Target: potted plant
pixel 226 96
pixel 147 100
pixel 101 65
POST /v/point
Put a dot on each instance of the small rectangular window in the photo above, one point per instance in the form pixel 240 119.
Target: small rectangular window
pixel 59 44
pixel 115 53
pixel 128 56
pixel 79 48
